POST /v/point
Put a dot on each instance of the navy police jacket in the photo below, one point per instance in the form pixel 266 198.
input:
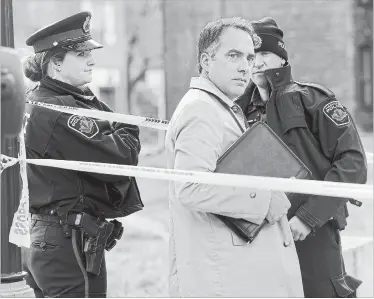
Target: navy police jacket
pixel 55 135
pixel 319 130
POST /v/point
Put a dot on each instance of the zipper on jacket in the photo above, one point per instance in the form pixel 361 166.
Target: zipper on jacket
pixel 266 106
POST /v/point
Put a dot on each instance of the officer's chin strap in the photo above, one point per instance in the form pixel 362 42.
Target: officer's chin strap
pixel 7 162
pixel 80 263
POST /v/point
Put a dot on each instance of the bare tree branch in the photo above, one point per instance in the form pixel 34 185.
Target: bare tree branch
pixel 132 43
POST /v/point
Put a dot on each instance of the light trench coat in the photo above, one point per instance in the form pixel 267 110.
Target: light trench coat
pixel 206 258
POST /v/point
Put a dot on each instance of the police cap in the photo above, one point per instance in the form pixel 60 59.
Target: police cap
pixel 71 33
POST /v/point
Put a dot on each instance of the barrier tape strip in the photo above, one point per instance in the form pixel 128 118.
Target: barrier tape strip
pixel 335 189
pixel 21 237
pixel 111 116
pixel 7 162
pixel 125 118
pixel 19 233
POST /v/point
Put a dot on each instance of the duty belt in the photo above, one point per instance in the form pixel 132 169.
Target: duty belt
pixel 89 224
pixel 101 234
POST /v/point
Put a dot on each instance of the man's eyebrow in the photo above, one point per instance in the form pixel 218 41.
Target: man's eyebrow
pixel 235 51
pixel 250 55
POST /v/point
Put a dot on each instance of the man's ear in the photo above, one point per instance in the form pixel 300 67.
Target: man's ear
pixel 283 62
pixel 204 61
pixel 55 62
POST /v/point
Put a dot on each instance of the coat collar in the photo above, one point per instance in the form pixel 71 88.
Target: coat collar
pixel 276 77
pixel 279 76
pixel 207 85
pixel 63 88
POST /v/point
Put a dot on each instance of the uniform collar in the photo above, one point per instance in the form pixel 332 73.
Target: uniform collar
pixel 276 77
pixel 63 88
pixel 279 76
pixel 207 85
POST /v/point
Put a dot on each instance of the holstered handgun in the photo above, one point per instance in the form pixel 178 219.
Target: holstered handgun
pixel 98 232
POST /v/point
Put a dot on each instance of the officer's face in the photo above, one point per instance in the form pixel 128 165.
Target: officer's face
pixel 76 68
pixel 229 68
pixel 263 61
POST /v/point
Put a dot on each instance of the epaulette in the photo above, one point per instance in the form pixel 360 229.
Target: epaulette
pixel 319 87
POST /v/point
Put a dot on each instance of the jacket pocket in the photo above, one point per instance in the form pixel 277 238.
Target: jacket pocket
pixel 46 236
pixel 345 285
pixel 43 246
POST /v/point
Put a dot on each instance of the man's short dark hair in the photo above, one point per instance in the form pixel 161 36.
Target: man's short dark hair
pixel 209 37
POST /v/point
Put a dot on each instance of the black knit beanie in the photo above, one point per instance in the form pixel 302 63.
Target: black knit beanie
pixel 271 37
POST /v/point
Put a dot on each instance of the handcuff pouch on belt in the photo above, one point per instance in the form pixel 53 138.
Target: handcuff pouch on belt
pixel 65 225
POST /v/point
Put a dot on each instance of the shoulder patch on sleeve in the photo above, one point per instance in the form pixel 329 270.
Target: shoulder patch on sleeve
pixel 83 125
pixel 336 113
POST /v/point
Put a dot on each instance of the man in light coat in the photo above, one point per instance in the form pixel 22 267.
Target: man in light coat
pixel 206 258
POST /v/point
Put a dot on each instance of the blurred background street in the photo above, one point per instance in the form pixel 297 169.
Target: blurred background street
pixel 145 68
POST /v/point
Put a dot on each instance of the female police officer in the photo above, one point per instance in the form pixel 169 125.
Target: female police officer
pixel 68 208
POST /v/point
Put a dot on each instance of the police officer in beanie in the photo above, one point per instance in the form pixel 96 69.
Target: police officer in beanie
pixel 69 230
pixel 321 132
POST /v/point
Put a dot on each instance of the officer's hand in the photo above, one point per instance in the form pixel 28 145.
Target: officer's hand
pixel 299 229
pixel 279 205
pixel 131 129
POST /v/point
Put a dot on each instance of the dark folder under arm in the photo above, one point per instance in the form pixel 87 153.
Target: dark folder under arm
pixel 259 151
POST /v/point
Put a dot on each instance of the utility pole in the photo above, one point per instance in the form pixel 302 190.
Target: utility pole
pixel 363 40
pixel 12 104
pixel 122 104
